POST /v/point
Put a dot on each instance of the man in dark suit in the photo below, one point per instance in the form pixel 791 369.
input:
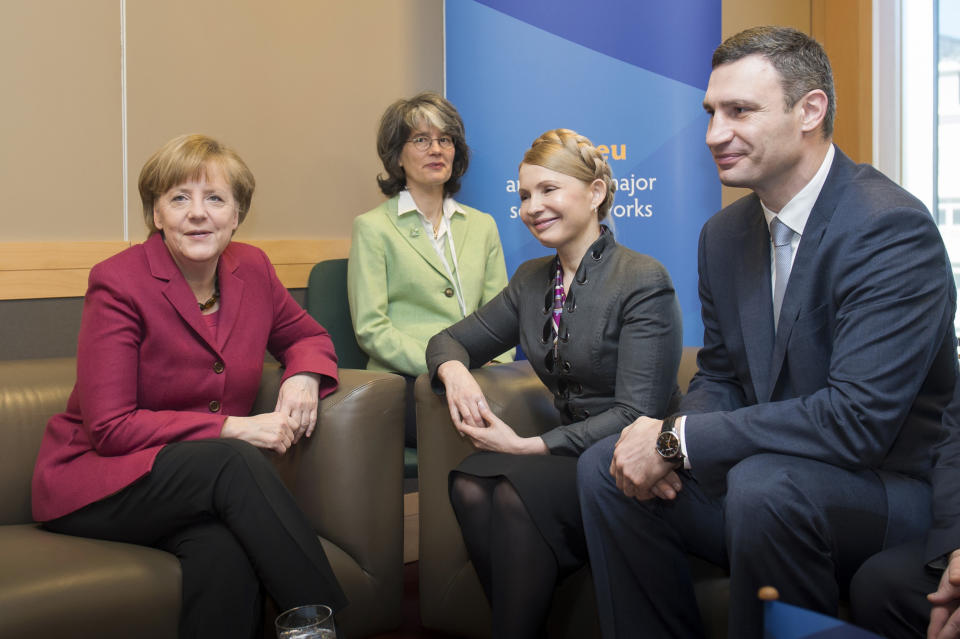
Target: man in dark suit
pixel 804 443
pixel 889 594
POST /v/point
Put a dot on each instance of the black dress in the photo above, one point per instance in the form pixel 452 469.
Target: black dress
pixel 620 339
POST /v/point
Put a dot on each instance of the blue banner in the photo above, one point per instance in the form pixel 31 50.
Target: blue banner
pixel 630 76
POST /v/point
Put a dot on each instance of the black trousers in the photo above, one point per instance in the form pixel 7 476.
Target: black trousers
pixel 220 507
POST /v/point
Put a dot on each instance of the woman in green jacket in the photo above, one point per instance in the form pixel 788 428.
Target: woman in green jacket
pixel 420 261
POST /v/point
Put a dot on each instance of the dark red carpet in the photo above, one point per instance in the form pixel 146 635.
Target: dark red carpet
pixel 410 626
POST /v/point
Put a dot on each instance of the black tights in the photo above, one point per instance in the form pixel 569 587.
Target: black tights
pixel 516 567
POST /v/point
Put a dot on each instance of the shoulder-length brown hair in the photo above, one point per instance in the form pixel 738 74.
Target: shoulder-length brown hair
pixel 400 119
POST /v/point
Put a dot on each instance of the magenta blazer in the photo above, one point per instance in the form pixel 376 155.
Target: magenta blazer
pixel 149 372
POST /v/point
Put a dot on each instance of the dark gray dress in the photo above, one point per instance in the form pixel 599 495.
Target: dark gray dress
pixel 618 353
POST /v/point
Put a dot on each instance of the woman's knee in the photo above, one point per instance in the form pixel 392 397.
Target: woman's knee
pixel 209 453
pixel 468 492
pixel 216 471
pixel 508 504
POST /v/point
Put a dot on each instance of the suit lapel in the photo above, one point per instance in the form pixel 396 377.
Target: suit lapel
pixel 803 271
pixel 411 230
pixel 458 227
pixel 231 290
pixel 176 289
pixel 458 231
pixel 753 285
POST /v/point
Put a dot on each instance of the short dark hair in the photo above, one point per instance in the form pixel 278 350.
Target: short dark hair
pixel 400 119
pixel 801 61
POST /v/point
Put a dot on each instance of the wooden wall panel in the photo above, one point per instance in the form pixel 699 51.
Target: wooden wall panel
pixel 40 270
pixel 738 15
pixel 36 270
pixel 845 29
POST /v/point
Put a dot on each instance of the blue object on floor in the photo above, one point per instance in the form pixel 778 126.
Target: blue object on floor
pixel 783 621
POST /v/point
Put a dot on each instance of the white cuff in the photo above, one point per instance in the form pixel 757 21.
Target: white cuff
pixel 680 427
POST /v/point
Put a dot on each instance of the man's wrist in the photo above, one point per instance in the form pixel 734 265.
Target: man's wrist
pixel 668 444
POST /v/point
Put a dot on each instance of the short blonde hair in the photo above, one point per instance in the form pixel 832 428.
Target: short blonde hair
pixel 570 153
pixel 187 157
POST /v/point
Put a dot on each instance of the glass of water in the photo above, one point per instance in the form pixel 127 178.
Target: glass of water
pixel 306 622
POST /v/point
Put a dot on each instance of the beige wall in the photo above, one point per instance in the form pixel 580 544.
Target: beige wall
pixel 60 168
pixel 295 86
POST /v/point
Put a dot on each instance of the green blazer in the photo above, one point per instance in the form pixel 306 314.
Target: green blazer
pixel 400 294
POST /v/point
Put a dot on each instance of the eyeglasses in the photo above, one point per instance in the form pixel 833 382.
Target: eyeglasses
pixel 422 142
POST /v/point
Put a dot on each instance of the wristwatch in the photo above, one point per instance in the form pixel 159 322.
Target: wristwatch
pixel 668 443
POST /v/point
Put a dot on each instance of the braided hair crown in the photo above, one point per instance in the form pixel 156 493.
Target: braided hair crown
pixel 570 153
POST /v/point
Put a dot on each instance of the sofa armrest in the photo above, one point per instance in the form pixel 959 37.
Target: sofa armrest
pixel 31 391
pixel 513 392
pixel 348 480
pixel 349 477
pixel 449 589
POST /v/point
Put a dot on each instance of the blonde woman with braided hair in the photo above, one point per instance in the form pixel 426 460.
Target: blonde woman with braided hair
pixel 602 328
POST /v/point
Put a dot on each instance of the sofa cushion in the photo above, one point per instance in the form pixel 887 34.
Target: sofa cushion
pixel 54 585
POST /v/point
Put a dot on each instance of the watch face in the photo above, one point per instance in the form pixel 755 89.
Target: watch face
pixel 668 444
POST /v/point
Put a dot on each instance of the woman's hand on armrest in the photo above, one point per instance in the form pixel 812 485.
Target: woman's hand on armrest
pixel 464 397
pixel 274 431
pixel 298 398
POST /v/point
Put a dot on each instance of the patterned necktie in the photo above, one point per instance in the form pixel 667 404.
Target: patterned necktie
pixel 782 257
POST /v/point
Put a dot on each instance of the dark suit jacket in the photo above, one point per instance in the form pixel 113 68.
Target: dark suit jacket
pixel 621 338
pixel 865 358
pixel 149 372
pixel 944 536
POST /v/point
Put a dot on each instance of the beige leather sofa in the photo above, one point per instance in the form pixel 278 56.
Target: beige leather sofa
pixel 348 478
pixel 451 599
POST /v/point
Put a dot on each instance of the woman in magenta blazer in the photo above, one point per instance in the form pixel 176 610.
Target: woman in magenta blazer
pixel 155 446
